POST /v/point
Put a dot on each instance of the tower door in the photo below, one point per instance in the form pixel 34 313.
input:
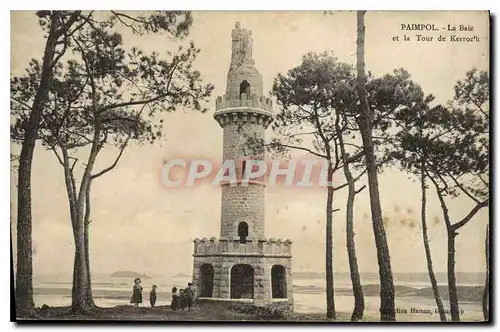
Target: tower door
pixel 242 281
pixel 278 281
pixel 207 280
pixel 243 231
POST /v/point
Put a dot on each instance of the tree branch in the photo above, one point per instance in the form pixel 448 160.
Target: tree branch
pixel 64 28
pixel 463 189
pixel 444 208
pixel 353 145
pixel 132 103
pixel 53 148
pixel 355 157
pixel 359 190
pixel 121 149
pixel 347 183
pixel 303 149
pixel 483 180
pixel 21 102
pixel 104 171
pixel 469 216
pixel 128 25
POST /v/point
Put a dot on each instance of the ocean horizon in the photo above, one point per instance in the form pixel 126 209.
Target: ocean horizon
pixel 413 292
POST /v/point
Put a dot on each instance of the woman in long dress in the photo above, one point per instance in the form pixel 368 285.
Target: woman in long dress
pixel 175 299
pixel 136 292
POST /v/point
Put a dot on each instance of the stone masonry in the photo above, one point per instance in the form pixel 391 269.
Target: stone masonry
pixel 243 112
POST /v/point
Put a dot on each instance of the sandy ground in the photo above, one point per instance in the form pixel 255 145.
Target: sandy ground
pixel 204 312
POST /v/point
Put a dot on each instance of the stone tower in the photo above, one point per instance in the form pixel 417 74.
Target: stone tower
pixel 243 265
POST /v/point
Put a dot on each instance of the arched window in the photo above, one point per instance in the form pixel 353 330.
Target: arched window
pixel 206 280
pixel 243 231
pixel 242 282
pixel 245 88
pixel 278 281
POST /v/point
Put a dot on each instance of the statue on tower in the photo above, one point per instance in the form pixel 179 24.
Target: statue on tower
pixel 241 45
pixel 247 45
pixel 237 35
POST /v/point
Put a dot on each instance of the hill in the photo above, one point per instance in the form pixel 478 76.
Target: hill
pixel 128 274
pixel 182 275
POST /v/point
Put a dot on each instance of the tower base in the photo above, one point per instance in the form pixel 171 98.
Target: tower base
pixel 257 272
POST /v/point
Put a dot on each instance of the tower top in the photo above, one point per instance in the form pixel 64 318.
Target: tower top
pixel 244 88
pixel 242 66
pixel 241 47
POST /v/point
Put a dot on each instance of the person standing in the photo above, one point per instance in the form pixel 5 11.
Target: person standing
pixel 182 299
pixel 175 299
pixel 136 292
pixel 152 296
pixel 190 296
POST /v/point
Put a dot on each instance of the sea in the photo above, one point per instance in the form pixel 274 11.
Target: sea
pixel 308 292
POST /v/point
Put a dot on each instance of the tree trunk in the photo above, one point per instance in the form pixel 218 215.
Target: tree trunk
pixel 486 293
pixel 430 269
pixel 387 307
pixel 359 302
pixel 80 290
pixel 80 274
pixel 452 283
pixel 24 267
pixel 81 277
pixel 330 297
pixel 357 289
pixel 86 235
pixel 81 302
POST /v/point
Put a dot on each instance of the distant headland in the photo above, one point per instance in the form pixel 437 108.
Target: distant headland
pixel 129 274
pixel 182 275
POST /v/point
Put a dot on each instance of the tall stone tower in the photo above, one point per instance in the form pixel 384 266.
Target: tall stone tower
pixel 243 266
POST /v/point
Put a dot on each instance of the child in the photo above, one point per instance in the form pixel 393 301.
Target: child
pixel 136 293
pixel 152 296
pixel 189 292
pixel 182 299
pixel 175 299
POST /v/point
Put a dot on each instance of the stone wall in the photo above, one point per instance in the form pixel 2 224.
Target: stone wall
pixel 236 140
pixel 262 276
pixel 252 100
pixel 246 72
pixel 271 247
pixel 243 204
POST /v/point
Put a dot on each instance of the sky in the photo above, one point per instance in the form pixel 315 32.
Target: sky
pixel 141 226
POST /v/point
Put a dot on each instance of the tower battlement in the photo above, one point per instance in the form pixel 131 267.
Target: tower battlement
pixel 244 110
pixel 269 247
pixel 253 101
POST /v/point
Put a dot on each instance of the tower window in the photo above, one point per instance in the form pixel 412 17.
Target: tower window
pixel 278 281
pixel 243 231
pixel 244 88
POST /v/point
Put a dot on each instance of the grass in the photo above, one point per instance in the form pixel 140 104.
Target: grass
pixel 213 311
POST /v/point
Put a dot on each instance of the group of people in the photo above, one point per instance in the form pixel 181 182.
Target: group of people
pixel 181 299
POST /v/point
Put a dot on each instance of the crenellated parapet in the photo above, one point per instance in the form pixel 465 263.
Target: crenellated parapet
pixel 244 110
pixel 222 247
pixel 254 101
